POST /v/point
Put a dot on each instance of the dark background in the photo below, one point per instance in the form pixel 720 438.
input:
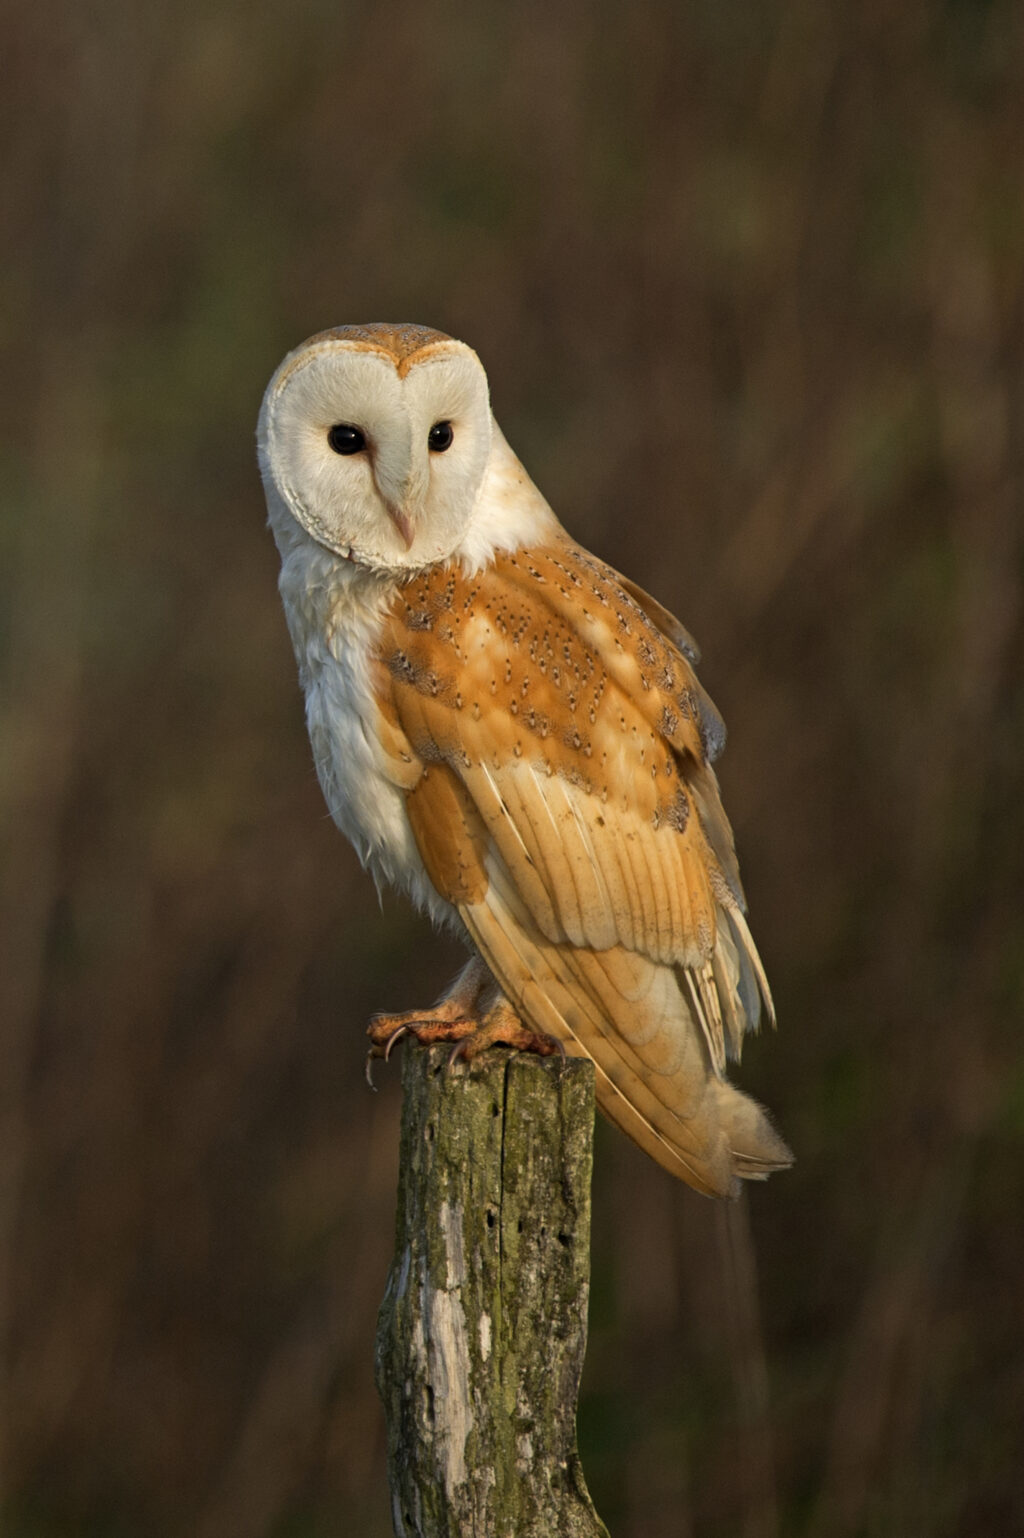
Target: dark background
pixel 748 283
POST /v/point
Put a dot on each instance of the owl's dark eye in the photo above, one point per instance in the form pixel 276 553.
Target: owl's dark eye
pixel 440 437
pixel 346 439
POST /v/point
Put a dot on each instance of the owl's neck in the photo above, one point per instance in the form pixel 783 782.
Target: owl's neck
pixel 332 605
pixel 509 511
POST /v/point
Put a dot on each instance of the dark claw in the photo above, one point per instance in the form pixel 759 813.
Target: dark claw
pixel 456 1055
pixel 403 1030
pixel 385 1053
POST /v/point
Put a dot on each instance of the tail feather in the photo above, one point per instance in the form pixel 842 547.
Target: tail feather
pixel 757 1149
pixel 655 1076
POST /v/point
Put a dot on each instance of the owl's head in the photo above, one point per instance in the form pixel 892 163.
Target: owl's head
pixel 375 439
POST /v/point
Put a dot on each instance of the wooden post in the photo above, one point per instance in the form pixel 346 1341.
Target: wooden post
pixel 483 1327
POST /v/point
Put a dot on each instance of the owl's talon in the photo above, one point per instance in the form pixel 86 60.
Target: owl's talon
pixel 403 1030
pixel 459 1054
pixel 383 1034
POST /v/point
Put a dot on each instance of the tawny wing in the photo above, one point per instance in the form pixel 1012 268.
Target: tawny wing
pixel 568 808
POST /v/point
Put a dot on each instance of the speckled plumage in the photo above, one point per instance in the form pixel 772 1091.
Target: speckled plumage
pixel 515 735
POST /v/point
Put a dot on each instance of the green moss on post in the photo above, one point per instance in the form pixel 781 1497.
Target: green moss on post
pixel 483 1326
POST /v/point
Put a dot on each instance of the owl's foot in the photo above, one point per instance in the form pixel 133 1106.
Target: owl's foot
pixel 500 1026
pixel 445 1022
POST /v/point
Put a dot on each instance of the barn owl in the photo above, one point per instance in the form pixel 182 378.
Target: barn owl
pixel 513 733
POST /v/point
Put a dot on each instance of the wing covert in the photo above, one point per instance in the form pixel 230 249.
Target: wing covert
pixel 575 729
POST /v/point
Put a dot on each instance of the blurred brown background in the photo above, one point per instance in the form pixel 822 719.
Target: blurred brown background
pixel 748 282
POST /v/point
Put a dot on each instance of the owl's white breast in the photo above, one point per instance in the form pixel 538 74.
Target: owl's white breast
pixel 334 611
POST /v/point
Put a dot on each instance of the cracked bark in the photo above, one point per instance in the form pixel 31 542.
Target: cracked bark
pixel 482 1331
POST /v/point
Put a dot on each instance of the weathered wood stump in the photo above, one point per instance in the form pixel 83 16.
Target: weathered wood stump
pixel 483 1327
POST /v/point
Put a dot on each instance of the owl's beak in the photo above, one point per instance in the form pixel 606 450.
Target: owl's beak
pixel 401 485
pixel 402 522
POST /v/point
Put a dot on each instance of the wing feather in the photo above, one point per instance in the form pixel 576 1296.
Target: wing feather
pixel 568 810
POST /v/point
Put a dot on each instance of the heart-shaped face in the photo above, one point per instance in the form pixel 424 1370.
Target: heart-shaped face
pixel 376 440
